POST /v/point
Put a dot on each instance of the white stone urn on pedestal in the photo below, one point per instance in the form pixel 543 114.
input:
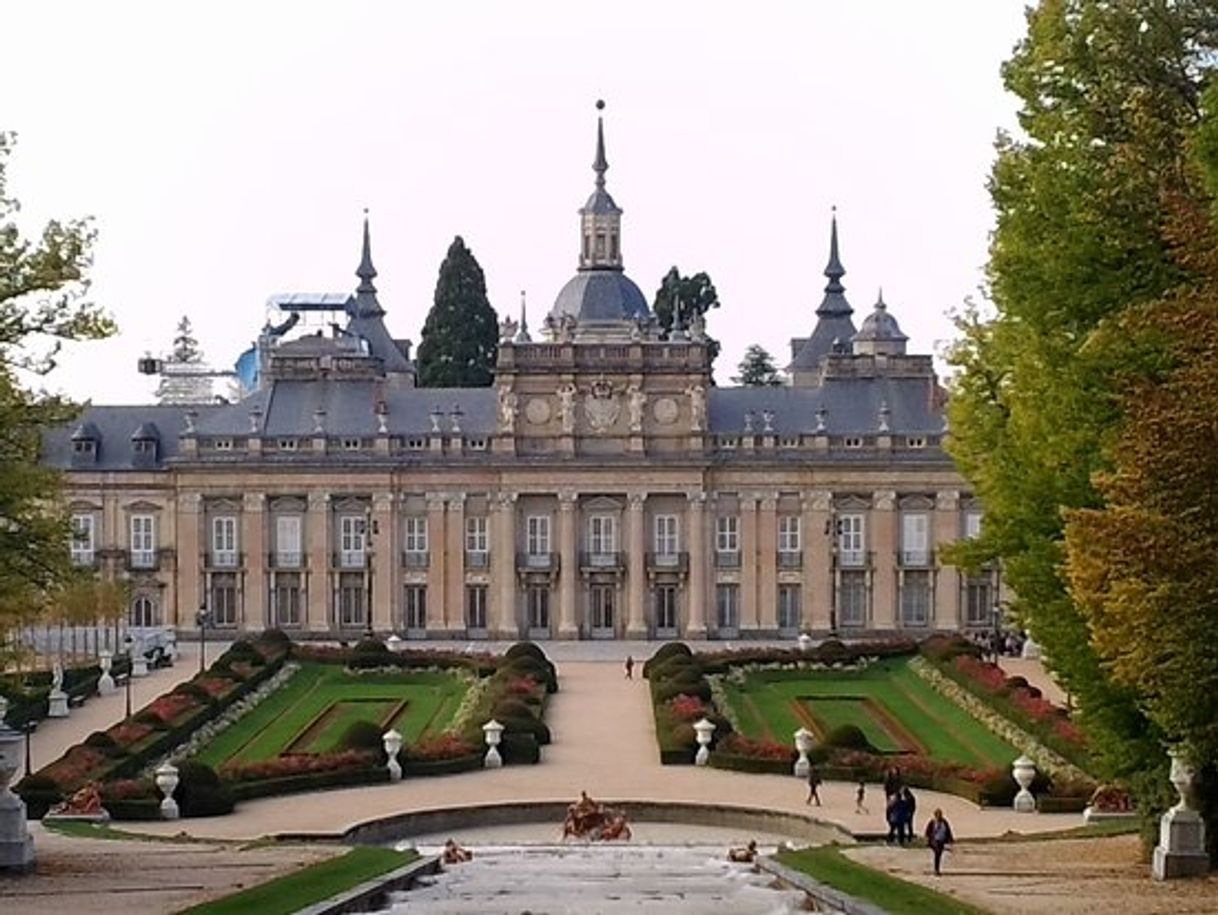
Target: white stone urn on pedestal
pixel 805 642
pixel 494 733
pixel 1023 770
pixel 57 699
pixel 395 643
pixel 16 845
pixel 704 730
pixel 1030 650
pixel 393 743
pixel 105 683
pixel 171 644
pixel 1181 848
pixel 803 743
pixel 167 783
pixel 139 663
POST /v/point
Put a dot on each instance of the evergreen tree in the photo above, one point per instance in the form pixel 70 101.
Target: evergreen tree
pixel 757 369
pixel 688 295
pixel 183 378
pixel 43 302
pixel 461 334
pixel 185 346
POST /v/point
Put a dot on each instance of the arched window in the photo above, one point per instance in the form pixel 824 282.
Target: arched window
pixel 144 612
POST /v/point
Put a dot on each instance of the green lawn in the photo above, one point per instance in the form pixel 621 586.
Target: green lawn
pixel 431 699
pixel 764 706
pixel 898 897
pixel 293 892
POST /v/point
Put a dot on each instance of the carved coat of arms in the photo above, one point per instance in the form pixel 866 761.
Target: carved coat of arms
pixel 602 406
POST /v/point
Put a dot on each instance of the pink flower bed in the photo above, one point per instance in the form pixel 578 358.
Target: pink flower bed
pixel 522 686
pixel 76 767
pixel 739 745
pixel 169 707
pixel 298 764
pixel 442 746
pixel 129 732
pixel 687 708
pixel 213 686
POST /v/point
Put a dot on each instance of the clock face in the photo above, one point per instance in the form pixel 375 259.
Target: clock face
pixel 665 411
pixel 537 411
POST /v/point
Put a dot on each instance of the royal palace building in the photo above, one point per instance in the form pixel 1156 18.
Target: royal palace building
pixel 603 487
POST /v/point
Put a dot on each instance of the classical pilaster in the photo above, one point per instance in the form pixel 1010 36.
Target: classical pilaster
pixel 384 565
pixel 453 599
pixel 318 539
pixel 749 616
pixel 767 564
pixel 253 545
pixel 503 615
pixel 816 532
pixel 884 557
pixel 946 582
pixel 190 586
pixel 636 573
pixel 695 527
pixel 568 573
pixel 436 561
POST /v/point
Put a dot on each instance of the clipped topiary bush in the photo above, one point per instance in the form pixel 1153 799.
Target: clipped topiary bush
pixel 833 651
pixel 40 793
pixel 537 729
pixel 100 740
pixel 663 653
pixel 518 748
pixel 200 793
pixel 526 650
pixel 511 708
pixel 371 646
pixel 670 689
pixel 276 638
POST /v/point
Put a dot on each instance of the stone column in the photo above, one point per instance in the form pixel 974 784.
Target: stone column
pixel 695 526
pixel 767 564
pixel 190 584
pixel 317 546
pixel 436 560
pixel 453 597
pixel 636 572
pixel 883 545
pixel 502 612
pixel 816 530
pixel 946 581
pixel 568 574
pixel 385 564
pixel 749 617
pixel 253 544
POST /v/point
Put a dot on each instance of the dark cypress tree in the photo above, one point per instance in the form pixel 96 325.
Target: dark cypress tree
pixel 757 369
pixel 691 295
pixel 461 333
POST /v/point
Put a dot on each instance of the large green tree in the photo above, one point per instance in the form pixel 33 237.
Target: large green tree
pixel 757 368
pixel 1099 206
pixel 43 302
pixel 461 333
pixel 687 296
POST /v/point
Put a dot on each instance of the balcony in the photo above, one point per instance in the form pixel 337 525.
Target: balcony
pixel 537 562
pixel 350 559
pixel 668 562
pixel 84 559
pixel 727 559
pixel 142 559
pixel 601 561
pixel 916 559
pixel 223 559
pixel 416 559
pixel 790 559
pixel 285 559
pixel 477 559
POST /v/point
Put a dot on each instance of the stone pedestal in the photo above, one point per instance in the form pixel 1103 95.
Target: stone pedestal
pixel 105 683
pixel 167 781
pixel 16 844
pixel 1031 651
pixel 139 665
pixel 1024 771
pixel 704 731
pixel 1181 848
pixel 57 704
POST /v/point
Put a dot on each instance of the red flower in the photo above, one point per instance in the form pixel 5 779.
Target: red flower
pixel 298 764
pixel 687 708
pixel 739 745
pixel 522 686
pixel 171 706
pixel 442 746
pixel 129 732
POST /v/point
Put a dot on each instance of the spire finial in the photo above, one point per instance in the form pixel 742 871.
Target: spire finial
pixel 366 272
pixel 834 269
pixel 522 335
pixel 601 165
pixel 880 305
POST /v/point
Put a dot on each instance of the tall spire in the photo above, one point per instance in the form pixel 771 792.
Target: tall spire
pixel 522 335
pixel 600 217
pixel 601 164
pixel 834 269
pixel 366 272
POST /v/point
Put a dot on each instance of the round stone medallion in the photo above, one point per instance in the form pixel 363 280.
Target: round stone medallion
pixel 537 411
pixel 666 411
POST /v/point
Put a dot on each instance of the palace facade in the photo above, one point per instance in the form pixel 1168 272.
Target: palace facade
pixel 604 487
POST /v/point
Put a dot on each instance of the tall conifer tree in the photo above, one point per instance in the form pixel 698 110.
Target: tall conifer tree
pixel 461 334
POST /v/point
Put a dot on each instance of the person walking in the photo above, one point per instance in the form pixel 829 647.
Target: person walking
pixel 860 795
pixel 893 815
pixel 813 786
pixel 909 806
pixel 629 667
pixel 893 782
pixel 938 837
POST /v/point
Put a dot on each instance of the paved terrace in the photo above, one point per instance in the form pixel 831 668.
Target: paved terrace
pixel 603 742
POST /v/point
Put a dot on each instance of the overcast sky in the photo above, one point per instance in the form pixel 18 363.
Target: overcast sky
pixel 227 151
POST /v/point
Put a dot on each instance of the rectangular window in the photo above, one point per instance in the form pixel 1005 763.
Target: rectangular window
pixel 789 608
pixel 143 541
pixel 351 600
pixel 287 599
pixel 852 599
pixel 666 543
pixel 978 601
pixel 727 534
pixel 223 600
pixel 601 598
pixel 416 535
pixel 537 605
pixel 972 525
pixel 475 607
pixel 83 542
pixel 915 598
pixel 915 539
pixel 416 608
pixel 666 610
pixel 727 606
pixel 224 542
pixel 287 542
pixel 537 529
pixel 600 244
pixel 851 549
pixel 602 539
pixel 352 530
pixel 476 540
pixel 788 534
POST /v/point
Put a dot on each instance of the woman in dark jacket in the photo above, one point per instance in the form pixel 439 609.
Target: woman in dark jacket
pixel 938 836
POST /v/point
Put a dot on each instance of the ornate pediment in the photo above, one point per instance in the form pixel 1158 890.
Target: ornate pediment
pixel 223 506
pixel 602 504
pixel 916 502
pixel 349 504
pixel 851 503
pixel 142 505
pixel 288 504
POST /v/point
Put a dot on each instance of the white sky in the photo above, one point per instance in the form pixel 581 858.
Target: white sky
pixel 227 149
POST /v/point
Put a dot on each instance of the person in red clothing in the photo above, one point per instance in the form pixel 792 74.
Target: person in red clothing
pixel 938 836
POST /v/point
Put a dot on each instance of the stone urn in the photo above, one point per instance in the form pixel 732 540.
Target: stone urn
pixel 1181 849
pixel 16 846
pixel 494 733
pixel 167 784
pixel 803 744
pixel 393 743
pixel 171 644
pixel 139 663
pixel 105 683
pixel 1023 770
pixel 395 643
pixel 703 730
pixel 805 642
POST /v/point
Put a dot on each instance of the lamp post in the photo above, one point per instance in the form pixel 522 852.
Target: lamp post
pixel 996 636
pixel 129 642
pixel 202 618
pixel 369 530
pixel 29 731
pixel 833 530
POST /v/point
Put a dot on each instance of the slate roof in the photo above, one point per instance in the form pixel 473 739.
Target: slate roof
pixel 114 428
pixel 601 295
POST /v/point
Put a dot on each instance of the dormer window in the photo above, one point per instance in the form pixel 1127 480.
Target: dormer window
pixel 144 446
pixel 853 441
pixel 222 444
pixel 85 447
pixel 351 444
pixel 476 444
pixel 416 444
pixel 288 444
pixel 916 441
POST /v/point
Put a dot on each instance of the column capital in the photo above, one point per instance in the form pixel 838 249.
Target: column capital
pixel 189 501
pixel 567 499
pixel 456 501
pixel 947 500
pixel 435 500
pixel 504 499
pixel 697 499
pixel 318 501
pixel 635 501
pixel 748 501
pixel 253 501
pixel 382 501
pixel 768 501
pixel 884 500
pixel 818 500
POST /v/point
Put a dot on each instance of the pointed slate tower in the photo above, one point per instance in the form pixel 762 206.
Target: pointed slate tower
pixel 833 321
pixel 366 313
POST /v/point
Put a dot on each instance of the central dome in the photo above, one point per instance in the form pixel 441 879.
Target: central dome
pixel 601 295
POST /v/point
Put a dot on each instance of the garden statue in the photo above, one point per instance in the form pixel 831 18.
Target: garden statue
pixel 592 820
pixel 85 804
pixel 16 845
